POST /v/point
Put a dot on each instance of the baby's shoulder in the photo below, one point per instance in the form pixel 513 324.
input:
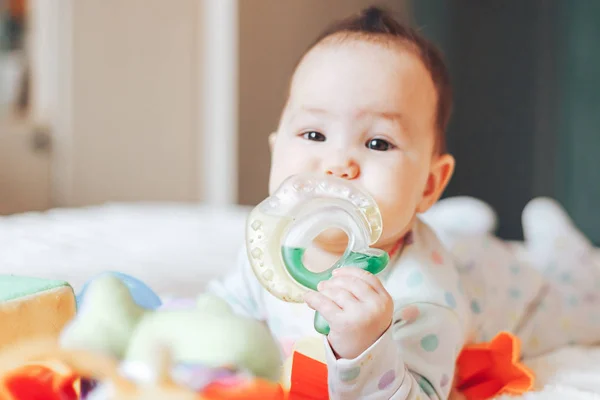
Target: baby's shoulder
pixel 425 272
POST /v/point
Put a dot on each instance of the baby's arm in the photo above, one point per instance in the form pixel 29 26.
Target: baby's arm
pixel 414 359
pixel 240 289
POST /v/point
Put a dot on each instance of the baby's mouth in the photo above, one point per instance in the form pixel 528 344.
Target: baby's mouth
pixel 305 187
pixel 332 237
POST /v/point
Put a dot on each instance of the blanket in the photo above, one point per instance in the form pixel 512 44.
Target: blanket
pixel 570 373
pixel 176 248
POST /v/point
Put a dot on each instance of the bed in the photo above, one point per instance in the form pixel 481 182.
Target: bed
pixel 177 248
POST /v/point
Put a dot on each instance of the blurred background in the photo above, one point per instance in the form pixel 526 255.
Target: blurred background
pixel 172 101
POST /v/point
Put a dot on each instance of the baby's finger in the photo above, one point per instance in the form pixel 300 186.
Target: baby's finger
pixel 356 286
pixel 340 295
pixel 324 305
pixel 366 276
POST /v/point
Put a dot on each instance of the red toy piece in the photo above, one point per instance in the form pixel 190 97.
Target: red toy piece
pixel 486 370
pixel 242 389
pixel 309 379
pixel 40 382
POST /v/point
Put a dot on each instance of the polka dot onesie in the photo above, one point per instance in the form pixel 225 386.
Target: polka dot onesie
pixel 414 359
pixel 443 300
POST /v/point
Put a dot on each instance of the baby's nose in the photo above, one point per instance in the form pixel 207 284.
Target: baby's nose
pixel 348 171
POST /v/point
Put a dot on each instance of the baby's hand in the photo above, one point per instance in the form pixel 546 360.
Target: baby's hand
pixel 356 306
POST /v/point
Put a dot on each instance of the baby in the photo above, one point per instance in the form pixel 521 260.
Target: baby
pixel 370 102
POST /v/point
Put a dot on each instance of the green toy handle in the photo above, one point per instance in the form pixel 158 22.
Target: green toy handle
pixel 372 260
pixel 321 325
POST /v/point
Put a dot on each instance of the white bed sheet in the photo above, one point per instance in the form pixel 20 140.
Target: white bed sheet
pixel 177 248
pixel 571 373
pixel 174 248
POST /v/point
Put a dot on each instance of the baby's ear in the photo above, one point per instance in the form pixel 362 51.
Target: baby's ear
pixel 272 138
pixel 440 173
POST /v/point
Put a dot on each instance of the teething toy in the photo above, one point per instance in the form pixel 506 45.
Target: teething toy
pixel 282 227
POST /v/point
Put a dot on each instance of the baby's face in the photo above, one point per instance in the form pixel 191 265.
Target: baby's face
pixel 363 112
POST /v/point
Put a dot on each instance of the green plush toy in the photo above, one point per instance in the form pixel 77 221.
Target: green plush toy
pixel 109 321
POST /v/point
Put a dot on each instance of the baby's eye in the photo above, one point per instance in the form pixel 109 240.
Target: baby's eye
pixel 314 136
pixel 379 145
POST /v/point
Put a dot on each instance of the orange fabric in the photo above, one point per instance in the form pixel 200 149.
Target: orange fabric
pixel 39 382
pixel 309 379
pixel 243 390
pixel 486 370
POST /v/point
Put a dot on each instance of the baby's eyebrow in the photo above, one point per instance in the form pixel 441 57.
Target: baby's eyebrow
pixel 389 115
pixel 315 110
pixel 305 110
pixel 392 116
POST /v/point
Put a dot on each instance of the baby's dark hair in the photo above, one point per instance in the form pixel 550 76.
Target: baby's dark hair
pixel 378 25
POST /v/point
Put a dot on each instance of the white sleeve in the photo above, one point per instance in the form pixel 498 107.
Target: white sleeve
pixel 240 289
pixel 414 359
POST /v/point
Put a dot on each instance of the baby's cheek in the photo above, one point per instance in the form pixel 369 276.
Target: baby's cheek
pixel 396 220
pixel 285 164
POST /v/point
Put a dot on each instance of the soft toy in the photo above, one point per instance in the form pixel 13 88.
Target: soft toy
pixel 127 351
pixel 210 334
pixel 41 370
pixel 141 293
pixel 33 307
